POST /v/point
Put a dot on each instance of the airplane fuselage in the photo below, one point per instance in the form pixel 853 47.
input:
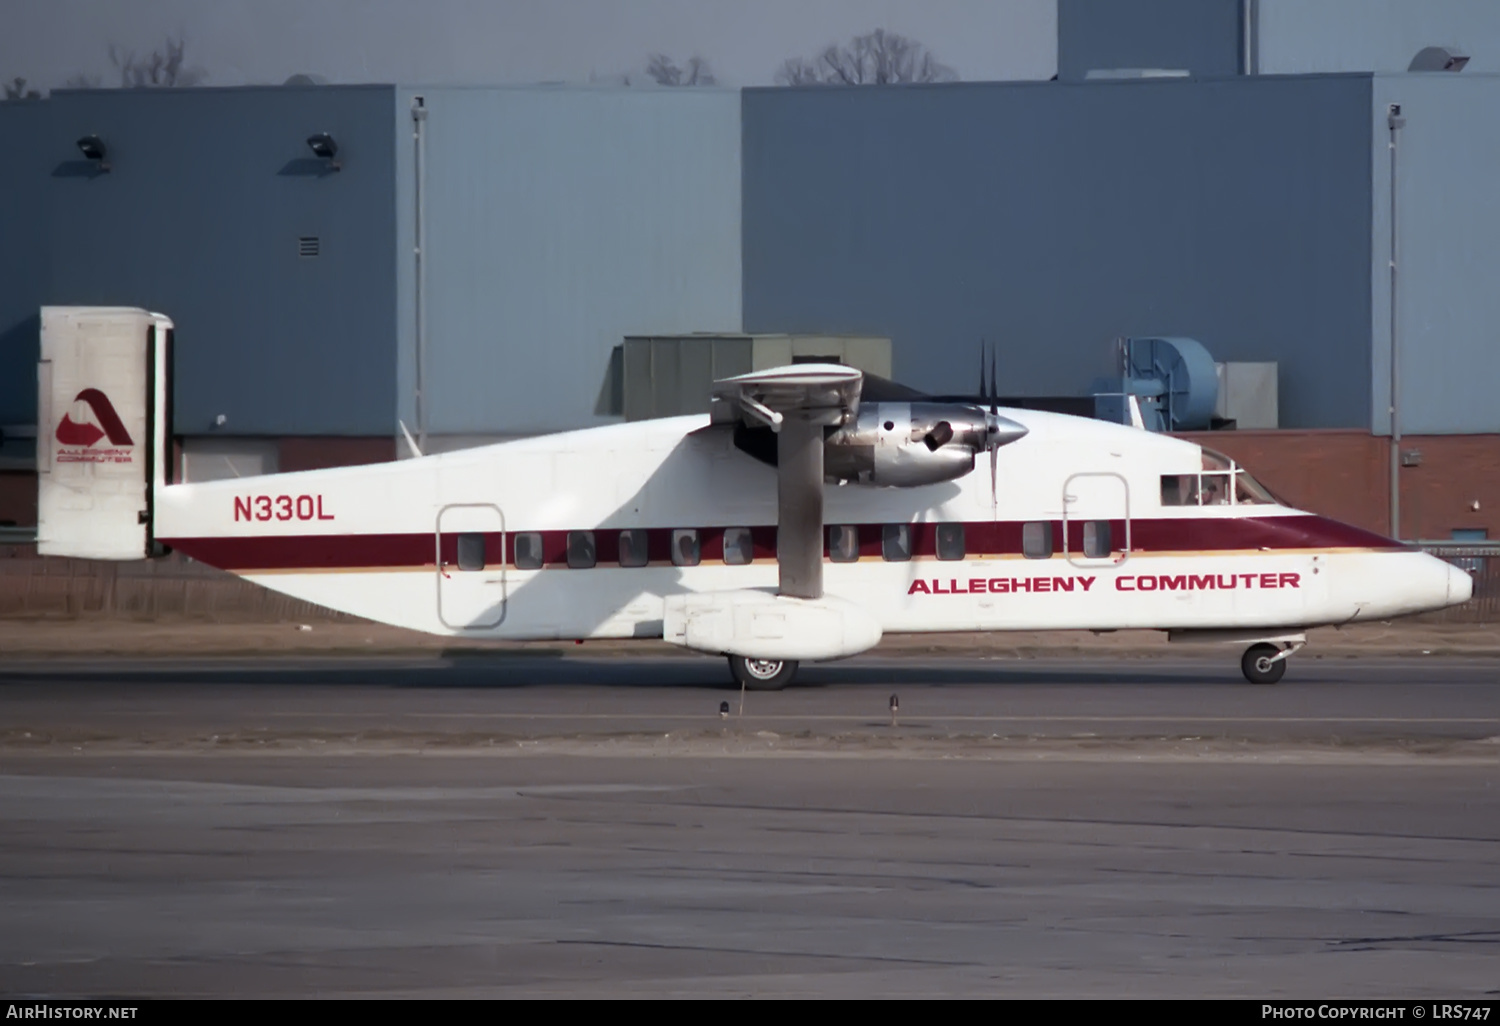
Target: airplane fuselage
pixel 583 535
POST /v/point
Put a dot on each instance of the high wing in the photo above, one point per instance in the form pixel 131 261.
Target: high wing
pixel 797 403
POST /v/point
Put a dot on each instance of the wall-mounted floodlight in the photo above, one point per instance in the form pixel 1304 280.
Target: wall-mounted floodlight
pixel 92 148
pixel 325 149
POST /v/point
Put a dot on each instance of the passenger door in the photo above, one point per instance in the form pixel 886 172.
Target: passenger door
pixel 1096 519
pixel 471 566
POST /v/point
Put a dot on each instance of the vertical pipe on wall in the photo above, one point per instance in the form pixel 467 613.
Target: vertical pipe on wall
pixel 1394 122
pixel 1249 16
pixel 418 121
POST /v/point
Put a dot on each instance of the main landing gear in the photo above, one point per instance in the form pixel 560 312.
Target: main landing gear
pixel 1265 663
pixel 762 674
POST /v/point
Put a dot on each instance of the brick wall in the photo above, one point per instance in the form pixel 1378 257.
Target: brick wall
pixel 1346 475
pixel 17 497
pixel 1341 474
pixel 320 453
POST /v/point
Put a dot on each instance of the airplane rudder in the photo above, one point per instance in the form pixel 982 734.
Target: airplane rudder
pixel 103 431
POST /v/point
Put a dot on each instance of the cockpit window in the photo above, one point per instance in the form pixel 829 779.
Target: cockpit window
pixel 1248 491
pixel 1222 483
pixel 1214 489
pixel 1179 489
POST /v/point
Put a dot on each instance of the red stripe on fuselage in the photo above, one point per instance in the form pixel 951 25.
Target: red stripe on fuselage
pixel 981 539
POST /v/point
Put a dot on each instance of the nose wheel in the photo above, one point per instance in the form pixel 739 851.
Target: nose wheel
pixel 762 674
pixel 1264 664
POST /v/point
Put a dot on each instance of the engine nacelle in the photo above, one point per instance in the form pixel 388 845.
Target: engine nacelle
pixel 903 445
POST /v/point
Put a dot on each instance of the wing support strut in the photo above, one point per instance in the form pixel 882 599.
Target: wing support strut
pixel 799 505
pixel 796 402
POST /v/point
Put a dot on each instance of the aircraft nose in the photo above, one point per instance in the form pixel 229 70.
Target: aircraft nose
pixel 1460 586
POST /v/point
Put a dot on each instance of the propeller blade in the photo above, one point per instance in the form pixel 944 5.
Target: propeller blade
pixel 994 491
pixel 981 369
pixel 994 386
pixel 994 438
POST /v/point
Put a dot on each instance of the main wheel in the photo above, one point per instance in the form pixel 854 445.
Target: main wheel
pixel 762 674
pixel 1260 665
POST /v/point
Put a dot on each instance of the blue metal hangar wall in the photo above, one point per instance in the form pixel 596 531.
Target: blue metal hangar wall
pixel 552 223
pixel 1251 213
pixel 199 215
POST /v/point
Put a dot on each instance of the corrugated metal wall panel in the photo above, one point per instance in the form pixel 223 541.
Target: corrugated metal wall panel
pixel 1200 36
pixel 1448 305
pixel 1050 218
pixel 24 166
pixel 200 216
pixel 559 221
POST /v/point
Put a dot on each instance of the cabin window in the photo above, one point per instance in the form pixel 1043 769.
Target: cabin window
pixel 581 552
pixel 1096 539
pixel 685 547
pixel 528 554
pixel 633 551
pixel 739 548
pixel 950 541
pixel 471 552
pixel 895 542
pixel 843 543
pixel 1036 539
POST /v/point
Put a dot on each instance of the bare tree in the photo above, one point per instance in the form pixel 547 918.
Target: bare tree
pixel 876 58
pixel 160 69
pixel 663 70
pixel 82 81
pixel 16 89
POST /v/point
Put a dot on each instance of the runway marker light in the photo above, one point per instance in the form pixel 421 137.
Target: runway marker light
pixel 723 710
pixel 895 708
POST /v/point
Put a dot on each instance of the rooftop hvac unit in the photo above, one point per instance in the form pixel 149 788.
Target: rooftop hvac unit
pixel 1247 396
pixel 1174 381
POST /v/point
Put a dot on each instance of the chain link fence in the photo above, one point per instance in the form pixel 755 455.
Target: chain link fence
pixel 1482 562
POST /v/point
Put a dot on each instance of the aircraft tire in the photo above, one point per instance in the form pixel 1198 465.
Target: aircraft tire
pixel 762 674
pixel 1257 666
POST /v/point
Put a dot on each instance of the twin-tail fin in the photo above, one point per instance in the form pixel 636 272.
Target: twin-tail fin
pixel 103 443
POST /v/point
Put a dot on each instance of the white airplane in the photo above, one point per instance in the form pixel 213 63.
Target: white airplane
pixel 804 518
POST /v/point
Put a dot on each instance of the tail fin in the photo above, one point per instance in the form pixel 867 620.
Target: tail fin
pixel 103 430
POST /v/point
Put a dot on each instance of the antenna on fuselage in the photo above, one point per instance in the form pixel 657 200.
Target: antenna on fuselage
pixel 411 443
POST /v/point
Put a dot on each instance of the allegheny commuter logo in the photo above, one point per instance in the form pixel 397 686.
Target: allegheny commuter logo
pixel 79 438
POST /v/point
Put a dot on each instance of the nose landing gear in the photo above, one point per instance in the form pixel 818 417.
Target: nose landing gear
pixel 1265 663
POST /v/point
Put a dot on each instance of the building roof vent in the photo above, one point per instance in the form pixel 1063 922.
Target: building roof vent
pixel 1438 58
pixel 1174 380
pixel 1113 74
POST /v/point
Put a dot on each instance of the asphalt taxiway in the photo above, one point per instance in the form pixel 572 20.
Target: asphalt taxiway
pixel 524 826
